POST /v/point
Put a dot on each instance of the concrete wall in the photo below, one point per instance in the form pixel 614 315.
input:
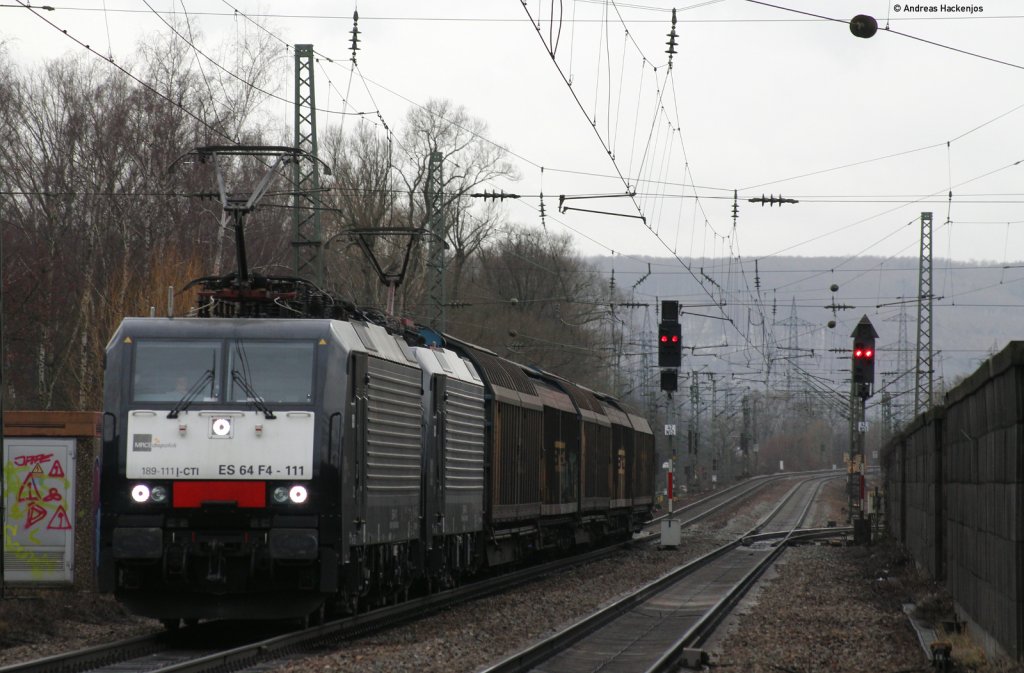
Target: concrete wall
pixel 954 482
pixel 913 487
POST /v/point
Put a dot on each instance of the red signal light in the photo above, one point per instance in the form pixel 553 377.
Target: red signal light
pixel 670 343
pixel 858 353
pixel 869 353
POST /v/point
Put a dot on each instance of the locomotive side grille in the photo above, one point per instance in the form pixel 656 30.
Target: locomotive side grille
pixel 464 452
pixel 393 440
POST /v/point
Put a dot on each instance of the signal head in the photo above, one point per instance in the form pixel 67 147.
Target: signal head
pixel 670 344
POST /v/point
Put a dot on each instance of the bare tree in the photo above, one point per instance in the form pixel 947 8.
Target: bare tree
pixel 92 215
pixel 469 161
pixel 534 300
pixel 362 196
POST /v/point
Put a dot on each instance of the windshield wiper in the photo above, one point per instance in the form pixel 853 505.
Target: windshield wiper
pixel 191 393
pixel 253 396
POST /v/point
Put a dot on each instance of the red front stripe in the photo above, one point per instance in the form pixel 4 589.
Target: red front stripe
pixel 242 493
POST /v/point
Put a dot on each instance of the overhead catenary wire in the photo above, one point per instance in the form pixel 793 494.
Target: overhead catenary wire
pixel 556 169
pixel 608 150
pixel 673 248
pixel 231 73
pixel 128 73
pixel 895 32
pixel 513 20
pixel 727 242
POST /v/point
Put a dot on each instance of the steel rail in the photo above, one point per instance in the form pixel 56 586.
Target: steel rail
pixel 96 656
pixel 542 651
pixel 706 625
pixel 249 655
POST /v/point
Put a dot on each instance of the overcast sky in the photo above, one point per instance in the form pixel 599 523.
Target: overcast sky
pixel 757 96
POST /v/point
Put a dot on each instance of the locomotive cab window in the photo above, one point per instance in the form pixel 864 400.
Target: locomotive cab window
pixel 276 371
pixel 167 371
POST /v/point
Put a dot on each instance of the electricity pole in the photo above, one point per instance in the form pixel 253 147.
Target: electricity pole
pixel 438 234
pixel 923 378
pixel 694 432
pixel 308 241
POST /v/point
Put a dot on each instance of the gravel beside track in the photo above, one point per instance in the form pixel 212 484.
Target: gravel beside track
pixel 820 613
pixel 36 624
pixel 468 637
pixel 825 609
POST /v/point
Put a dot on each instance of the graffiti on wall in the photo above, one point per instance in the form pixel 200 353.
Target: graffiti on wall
pixel 39 521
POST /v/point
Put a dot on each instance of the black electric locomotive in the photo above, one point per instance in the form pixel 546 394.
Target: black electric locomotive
pixel 265 468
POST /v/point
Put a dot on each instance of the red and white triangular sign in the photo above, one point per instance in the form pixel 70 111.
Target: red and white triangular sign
pixel 59 520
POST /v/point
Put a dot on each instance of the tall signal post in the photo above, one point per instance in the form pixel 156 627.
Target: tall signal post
pixel 862 381
pixel 670 357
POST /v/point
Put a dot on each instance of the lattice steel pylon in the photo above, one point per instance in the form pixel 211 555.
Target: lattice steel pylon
pixel 647 335
pixel 438 234
pixel 887 417
pixel 307 241
pixel 793 322
pixel 693 434
pixel 903 369
pixel 924 371
pixel 901 381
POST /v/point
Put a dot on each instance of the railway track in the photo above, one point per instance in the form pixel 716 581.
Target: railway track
pixel 690 514
pixel 641 631
pixel 218 646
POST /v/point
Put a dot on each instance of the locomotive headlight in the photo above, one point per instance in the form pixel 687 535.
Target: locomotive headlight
pixel 140 493
pixel 221 427
pixel 158 494
pixel 296 494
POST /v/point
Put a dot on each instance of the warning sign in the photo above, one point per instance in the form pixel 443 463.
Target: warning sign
pixel 35 515
pixel 59 520
pixel 57 470
pixel 28 491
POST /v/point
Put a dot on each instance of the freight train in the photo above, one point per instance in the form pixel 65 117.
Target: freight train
pixel 269 467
